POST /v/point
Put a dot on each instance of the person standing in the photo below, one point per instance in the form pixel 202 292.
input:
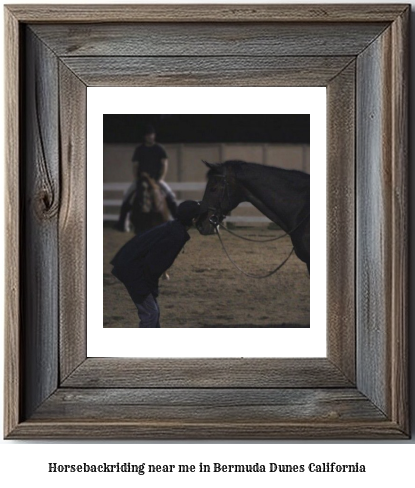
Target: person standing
pixel 151 158
pixel 141 262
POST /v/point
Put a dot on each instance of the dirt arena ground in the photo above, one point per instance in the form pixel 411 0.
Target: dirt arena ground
pixel 205 290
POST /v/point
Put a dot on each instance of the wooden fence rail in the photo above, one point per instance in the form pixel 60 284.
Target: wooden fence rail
pixel 175 186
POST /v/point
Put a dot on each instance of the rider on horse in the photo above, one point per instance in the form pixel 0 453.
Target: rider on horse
pixel 150 158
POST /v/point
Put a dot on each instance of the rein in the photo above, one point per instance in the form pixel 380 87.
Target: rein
pixel 249 275
pixel 258 240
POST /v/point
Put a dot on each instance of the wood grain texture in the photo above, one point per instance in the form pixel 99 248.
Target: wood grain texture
pixel 341 237
pixel 181 39
pixel 400 263
pixel 188 430
pixel 381 225
pixel 206 13
pixel 41 205
pixel 72 222
pixel 12 371
pixel 206 373
pixel 373 200
pixel 203 405
pixel 206 71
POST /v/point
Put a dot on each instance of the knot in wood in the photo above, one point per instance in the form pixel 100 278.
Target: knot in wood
pixel 46 206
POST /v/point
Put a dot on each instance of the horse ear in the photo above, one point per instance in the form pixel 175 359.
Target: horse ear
pixel 211 166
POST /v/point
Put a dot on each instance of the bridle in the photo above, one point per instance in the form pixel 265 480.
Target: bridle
pixel 218 213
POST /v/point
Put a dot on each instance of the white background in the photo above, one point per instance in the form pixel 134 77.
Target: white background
pixel 199 342
pixel 388 463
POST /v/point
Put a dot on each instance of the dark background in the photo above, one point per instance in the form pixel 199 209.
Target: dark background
pixel 293 129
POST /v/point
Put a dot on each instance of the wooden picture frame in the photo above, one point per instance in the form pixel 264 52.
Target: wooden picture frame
pixel 360 53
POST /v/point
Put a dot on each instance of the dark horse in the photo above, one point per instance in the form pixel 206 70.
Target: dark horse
pixel 282 195
pixel 147 205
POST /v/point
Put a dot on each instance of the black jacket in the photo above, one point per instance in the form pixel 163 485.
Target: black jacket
pixel 141 261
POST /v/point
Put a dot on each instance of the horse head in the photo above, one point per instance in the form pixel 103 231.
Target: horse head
pixel 219 195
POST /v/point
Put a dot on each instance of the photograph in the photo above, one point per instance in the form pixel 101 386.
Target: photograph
pixel 206 221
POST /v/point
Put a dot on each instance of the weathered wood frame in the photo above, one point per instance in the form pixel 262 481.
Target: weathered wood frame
pixel 359 52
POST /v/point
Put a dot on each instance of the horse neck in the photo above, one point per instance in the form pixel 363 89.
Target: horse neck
pixel 267 193
pixel 150 194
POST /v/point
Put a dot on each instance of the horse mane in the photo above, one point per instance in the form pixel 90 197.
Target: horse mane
pixel 155 196
pixel 149 180
pixel 238 166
